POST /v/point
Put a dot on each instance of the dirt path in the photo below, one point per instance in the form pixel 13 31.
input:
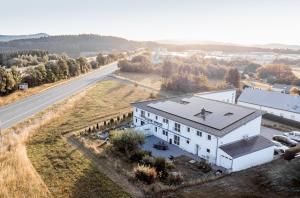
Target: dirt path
pixel 106 167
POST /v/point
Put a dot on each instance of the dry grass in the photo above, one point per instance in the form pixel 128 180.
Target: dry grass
pixel 296 71
pixel 17 176
pixel 148 80
pixel 66 172
pixel 18 95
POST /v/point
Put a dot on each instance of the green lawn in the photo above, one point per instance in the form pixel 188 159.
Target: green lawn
pixel 66 172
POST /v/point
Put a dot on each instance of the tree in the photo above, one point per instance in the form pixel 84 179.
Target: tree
pixel 63 69
pixel 233 77
pixel 84 65
pixel 74 67
pixel 16 75
pixel 101 59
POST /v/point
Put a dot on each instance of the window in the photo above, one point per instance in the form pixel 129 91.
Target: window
pixel 208 150
pixel 188 129
pixel 176 139
pixel 177 127
pixel 142 123
pixel 165 121
pixel 156 117
pixel 136 110
pixel 142 113
pixel 155 129
pixel 209 137
pixel 148 114
pixel 199 133
pixel 187 141
pixel 135 120
pixel 165 132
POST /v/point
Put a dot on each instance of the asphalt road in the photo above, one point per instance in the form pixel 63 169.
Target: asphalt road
pixel 22 109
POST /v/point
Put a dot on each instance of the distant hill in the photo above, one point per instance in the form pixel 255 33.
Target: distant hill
pixel 73 45
pixel 279 46
pixel 5 38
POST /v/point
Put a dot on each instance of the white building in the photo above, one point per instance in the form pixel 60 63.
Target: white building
pixel 224 95
pixel 276 103
pixel 224 134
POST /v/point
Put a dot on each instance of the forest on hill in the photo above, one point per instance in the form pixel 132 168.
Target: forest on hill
pixel 73 45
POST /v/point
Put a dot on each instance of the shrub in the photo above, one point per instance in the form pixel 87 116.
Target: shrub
pixel 138 155
pixel 291 153
pixel 160 165
pixel 148 160
pixel 204 167
pixel 127 141
pixel 112 121
pixel 170 165
pixel 145 173
pixel 175 178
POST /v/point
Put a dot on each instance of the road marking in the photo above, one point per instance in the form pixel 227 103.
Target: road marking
pixel 58 98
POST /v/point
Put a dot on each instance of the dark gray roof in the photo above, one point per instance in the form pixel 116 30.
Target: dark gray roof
pixel 244 147
pixel 271 99
pixel 187 113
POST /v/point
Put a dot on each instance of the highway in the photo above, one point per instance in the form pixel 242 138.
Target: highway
pixel 22 109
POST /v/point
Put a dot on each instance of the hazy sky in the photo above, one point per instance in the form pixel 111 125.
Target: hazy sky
pixel 242 21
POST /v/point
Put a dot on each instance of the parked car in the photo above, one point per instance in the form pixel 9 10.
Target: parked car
pixel 279 148
pixel 285 140
pixel 294 135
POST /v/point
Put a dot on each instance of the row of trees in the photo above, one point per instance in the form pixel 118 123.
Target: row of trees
pixel 51 71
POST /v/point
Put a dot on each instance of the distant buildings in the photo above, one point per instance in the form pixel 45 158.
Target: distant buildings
pixel 276 103
pixel 224 134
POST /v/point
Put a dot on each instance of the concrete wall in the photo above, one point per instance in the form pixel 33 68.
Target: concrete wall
pixel 253 159
pixel 224 96
pixel 277 112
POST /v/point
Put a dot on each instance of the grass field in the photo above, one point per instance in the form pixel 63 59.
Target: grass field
pixel 65 171
pixel 148 80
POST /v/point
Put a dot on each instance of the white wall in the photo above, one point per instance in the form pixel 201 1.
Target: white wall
pixel 253 159
pixel 277 112
pixel 225 96
pixel 184 135
pixel 250 129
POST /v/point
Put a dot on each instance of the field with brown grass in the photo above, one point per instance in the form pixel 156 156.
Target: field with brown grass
pixel 279 178
pixel 18 178
pixel 65 171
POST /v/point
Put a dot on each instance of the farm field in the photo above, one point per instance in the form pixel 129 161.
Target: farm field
pixel 65 171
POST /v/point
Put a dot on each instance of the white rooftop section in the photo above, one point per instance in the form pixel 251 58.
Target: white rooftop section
pixel 271 99
pixel 214 114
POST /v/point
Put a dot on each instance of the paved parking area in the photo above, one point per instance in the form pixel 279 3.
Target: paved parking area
pixel 269 132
